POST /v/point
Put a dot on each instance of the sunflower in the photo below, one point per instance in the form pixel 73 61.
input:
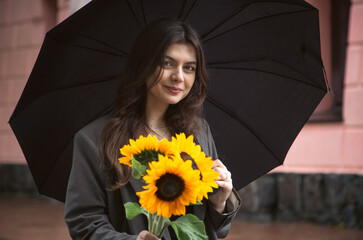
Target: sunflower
pixel 145 149
pixel 204 164
pixel 171 185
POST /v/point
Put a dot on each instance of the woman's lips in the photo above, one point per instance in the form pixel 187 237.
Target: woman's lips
pixel 174 89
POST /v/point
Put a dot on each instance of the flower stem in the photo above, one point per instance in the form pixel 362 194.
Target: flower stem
pixel 156 224
pixel 150 222
pixel 160 226
pixel 163 229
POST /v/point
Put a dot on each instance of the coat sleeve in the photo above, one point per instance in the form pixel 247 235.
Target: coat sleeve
pixel 221 221
pixel 86 199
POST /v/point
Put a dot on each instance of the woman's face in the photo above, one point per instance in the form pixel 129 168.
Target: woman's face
pixel 177 76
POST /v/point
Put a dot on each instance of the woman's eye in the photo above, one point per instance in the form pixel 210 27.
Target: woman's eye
pixel 168 64
pixel 190 68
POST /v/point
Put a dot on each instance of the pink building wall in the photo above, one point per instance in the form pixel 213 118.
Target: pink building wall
pixel 335 147
pixel 23 25
pixel 323 147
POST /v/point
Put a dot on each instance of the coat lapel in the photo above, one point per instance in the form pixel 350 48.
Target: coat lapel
pixel 138 223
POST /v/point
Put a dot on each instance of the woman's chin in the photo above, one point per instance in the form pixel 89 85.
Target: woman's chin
pixel 174 101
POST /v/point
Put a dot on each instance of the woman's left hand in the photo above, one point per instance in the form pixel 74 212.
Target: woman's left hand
pixel 225 184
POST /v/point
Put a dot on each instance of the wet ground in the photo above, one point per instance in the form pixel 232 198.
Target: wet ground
pixel 35 219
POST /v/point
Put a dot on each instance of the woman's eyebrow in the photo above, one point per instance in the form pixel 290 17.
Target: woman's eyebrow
pixel 172 59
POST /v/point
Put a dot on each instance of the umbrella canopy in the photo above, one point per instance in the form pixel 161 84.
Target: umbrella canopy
pixel 263 59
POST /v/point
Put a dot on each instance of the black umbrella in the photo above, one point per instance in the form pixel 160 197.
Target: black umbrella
pixel 263 58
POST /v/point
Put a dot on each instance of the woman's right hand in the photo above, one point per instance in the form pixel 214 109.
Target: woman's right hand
pixel 146 235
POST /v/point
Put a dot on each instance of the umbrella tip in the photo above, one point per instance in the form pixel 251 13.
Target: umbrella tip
pixel 328 87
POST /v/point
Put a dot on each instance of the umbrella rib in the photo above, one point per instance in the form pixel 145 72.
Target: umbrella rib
pixel 226 19
pixel 277 74
pixel 189 10
pixel 102 43
pixel 287 66
pixel 255 20
pixel 100 114
pixel 181 9
pixel 133 13
pixel 234 14
pixel 326 81
pixel 79 84
pixel 107 45
pixel 143 12
pixel 75 85
pixel 234 116
pixel 107 52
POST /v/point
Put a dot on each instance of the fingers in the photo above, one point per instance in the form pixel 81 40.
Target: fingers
pixel 225 181
pixel 218 199
pixel 218 163
pixel 146 235
pixel 224 174
pixel 226 186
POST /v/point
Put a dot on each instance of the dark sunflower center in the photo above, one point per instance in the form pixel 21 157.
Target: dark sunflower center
pixel 170 187
pixel 146 156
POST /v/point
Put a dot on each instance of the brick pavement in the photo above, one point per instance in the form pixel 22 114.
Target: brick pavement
pixel 36 219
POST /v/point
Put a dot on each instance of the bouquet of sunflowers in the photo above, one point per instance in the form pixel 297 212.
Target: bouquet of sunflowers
pixel 171 183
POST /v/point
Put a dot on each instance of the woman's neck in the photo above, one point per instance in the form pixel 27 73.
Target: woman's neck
pixel 156 121
pixel 155 116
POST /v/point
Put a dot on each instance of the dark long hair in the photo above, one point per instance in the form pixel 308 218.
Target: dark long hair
pixel 129 118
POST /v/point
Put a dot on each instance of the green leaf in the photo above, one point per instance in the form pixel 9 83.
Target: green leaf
pixel 189 227
pixel 132 210
pixel 197 203
pixel 137 168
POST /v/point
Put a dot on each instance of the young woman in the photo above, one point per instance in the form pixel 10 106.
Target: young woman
pixel 161 93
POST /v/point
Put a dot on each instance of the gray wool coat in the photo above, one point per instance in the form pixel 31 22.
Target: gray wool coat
pixel 95 213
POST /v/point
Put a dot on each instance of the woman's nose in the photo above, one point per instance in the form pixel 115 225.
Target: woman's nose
pixel 178 75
